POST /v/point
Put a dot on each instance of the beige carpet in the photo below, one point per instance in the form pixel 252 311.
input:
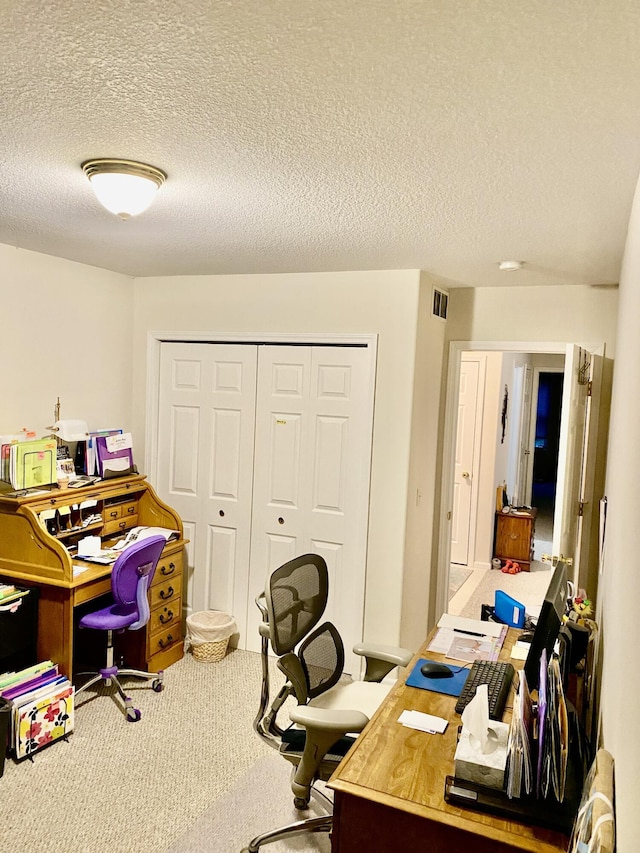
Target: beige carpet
pixel 261 800
pixel 114 786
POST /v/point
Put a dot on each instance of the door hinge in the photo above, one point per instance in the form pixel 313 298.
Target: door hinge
pixel 580 509
pixel 589 388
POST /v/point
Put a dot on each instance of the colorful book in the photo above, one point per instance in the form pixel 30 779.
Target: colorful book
pixel 25 687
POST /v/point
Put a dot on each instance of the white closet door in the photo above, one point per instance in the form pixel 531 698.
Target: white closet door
pixel 205 471
pixel 311 477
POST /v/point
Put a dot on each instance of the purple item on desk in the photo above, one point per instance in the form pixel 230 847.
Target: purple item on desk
pixel 542 718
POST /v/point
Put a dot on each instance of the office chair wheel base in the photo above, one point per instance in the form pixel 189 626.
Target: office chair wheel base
pixel 157 685
pixel 133 715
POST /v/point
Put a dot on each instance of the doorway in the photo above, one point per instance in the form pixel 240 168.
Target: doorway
pixel 572 492
pixel 546 445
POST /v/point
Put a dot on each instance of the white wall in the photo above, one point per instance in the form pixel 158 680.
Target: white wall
pixel 67 332
pixel 620 580
pixel 385 303
pixel 570 314
pixel 419 570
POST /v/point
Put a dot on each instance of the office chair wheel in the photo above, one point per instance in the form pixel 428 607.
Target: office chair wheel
pixel 300 803
pixel 157 685
pixel 133 715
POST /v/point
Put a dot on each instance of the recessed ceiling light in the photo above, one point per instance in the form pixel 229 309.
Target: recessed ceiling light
pixel 510 266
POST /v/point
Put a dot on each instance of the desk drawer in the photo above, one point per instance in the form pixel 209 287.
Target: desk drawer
pixel 164 640
pixel 168 567
pixel 166 592
pixel 126 509
pixel 164 617
pixel 119 525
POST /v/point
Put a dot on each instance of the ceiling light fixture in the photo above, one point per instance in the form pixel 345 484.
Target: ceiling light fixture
pixel 124 187
pixel 510 266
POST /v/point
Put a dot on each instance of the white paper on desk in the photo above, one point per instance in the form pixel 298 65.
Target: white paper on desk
pixel 477 626
pixel 520 650
pixel 423 722
pixel 78 570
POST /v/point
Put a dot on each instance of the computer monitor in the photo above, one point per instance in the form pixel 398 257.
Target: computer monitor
pixel 549 623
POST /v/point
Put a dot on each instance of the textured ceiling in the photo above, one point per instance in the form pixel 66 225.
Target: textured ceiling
pixel 330 135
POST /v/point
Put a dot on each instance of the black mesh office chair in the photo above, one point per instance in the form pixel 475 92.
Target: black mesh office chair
pixel 331 709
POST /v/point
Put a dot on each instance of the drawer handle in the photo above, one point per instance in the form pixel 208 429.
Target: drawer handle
pixel 162 643
pixel 168 570
pixel 114 513
pixel 122 525
pixel 166 595
pixel 131 510
pixel 168 618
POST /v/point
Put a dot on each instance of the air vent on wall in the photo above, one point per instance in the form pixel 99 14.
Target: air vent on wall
pixel 440 302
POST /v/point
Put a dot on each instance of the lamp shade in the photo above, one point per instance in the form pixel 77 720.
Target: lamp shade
pixel 124 187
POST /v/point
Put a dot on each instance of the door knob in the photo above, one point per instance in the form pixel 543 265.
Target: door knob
pixel 466 475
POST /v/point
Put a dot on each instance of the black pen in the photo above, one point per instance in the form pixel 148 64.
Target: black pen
pixel 470 633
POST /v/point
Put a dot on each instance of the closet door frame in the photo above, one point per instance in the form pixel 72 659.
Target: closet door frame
pixel 155 339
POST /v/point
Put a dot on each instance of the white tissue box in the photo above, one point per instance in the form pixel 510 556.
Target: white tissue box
pixel 485 769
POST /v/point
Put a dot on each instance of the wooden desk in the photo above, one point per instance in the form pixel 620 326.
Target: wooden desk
pixel 389 789
pixel 33 555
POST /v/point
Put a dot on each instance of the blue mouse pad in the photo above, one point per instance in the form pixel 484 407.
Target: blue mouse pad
pixel 451 686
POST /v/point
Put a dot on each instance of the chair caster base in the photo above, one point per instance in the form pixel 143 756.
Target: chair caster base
pixel 133 715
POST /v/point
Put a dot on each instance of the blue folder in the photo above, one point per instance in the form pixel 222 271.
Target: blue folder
pixel 451 686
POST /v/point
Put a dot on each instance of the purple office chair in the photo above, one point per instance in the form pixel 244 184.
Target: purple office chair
pixel 131 578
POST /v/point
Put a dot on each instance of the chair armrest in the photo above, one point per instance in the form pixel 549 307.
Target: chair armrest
pixel 381 659
pixel 335 723
pixel 322 728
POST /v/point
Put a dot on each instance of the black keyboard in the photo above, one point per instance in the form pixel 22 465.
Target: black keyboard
pixel 497 676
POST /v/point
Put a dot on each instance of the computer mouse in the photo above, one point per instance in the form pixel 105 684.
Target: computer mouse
pixel 526 637
pixel 436 670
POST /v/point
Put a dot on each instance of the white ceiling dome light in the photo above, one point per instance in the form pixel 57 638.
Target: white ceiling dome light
pixel 125 187
pixel 510 266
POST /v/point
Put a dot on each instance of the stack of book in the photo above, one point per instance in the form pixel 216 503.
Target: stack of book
pixel 9 593
pixel 40 707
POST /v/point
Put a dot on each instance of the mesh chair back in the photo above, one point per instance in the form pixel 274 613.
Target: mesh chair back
pixel 322 659
pixel 296 597
pixel 132 574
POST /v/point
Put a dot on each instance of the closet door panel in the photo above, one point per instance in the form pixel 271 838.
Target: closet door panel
pixel 324 461
pixel 206 431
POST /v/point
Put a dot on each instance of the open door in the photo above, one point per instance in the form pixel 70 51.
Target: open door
pixel 574 493
pixel 522 489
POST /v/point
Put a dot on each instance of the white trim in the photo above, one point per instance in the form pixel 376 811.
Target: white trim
pixel 156 338
pixel 456 348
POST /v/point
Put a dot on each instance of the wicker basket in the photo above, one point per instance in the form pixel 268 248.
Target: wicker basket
pixel 211 651
pixel 208 634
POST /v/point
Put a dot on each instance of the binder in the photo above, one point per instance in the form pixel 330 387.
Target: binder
pixel 40 705
pixel 90 455
pixel 44 720
pixel 114 453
